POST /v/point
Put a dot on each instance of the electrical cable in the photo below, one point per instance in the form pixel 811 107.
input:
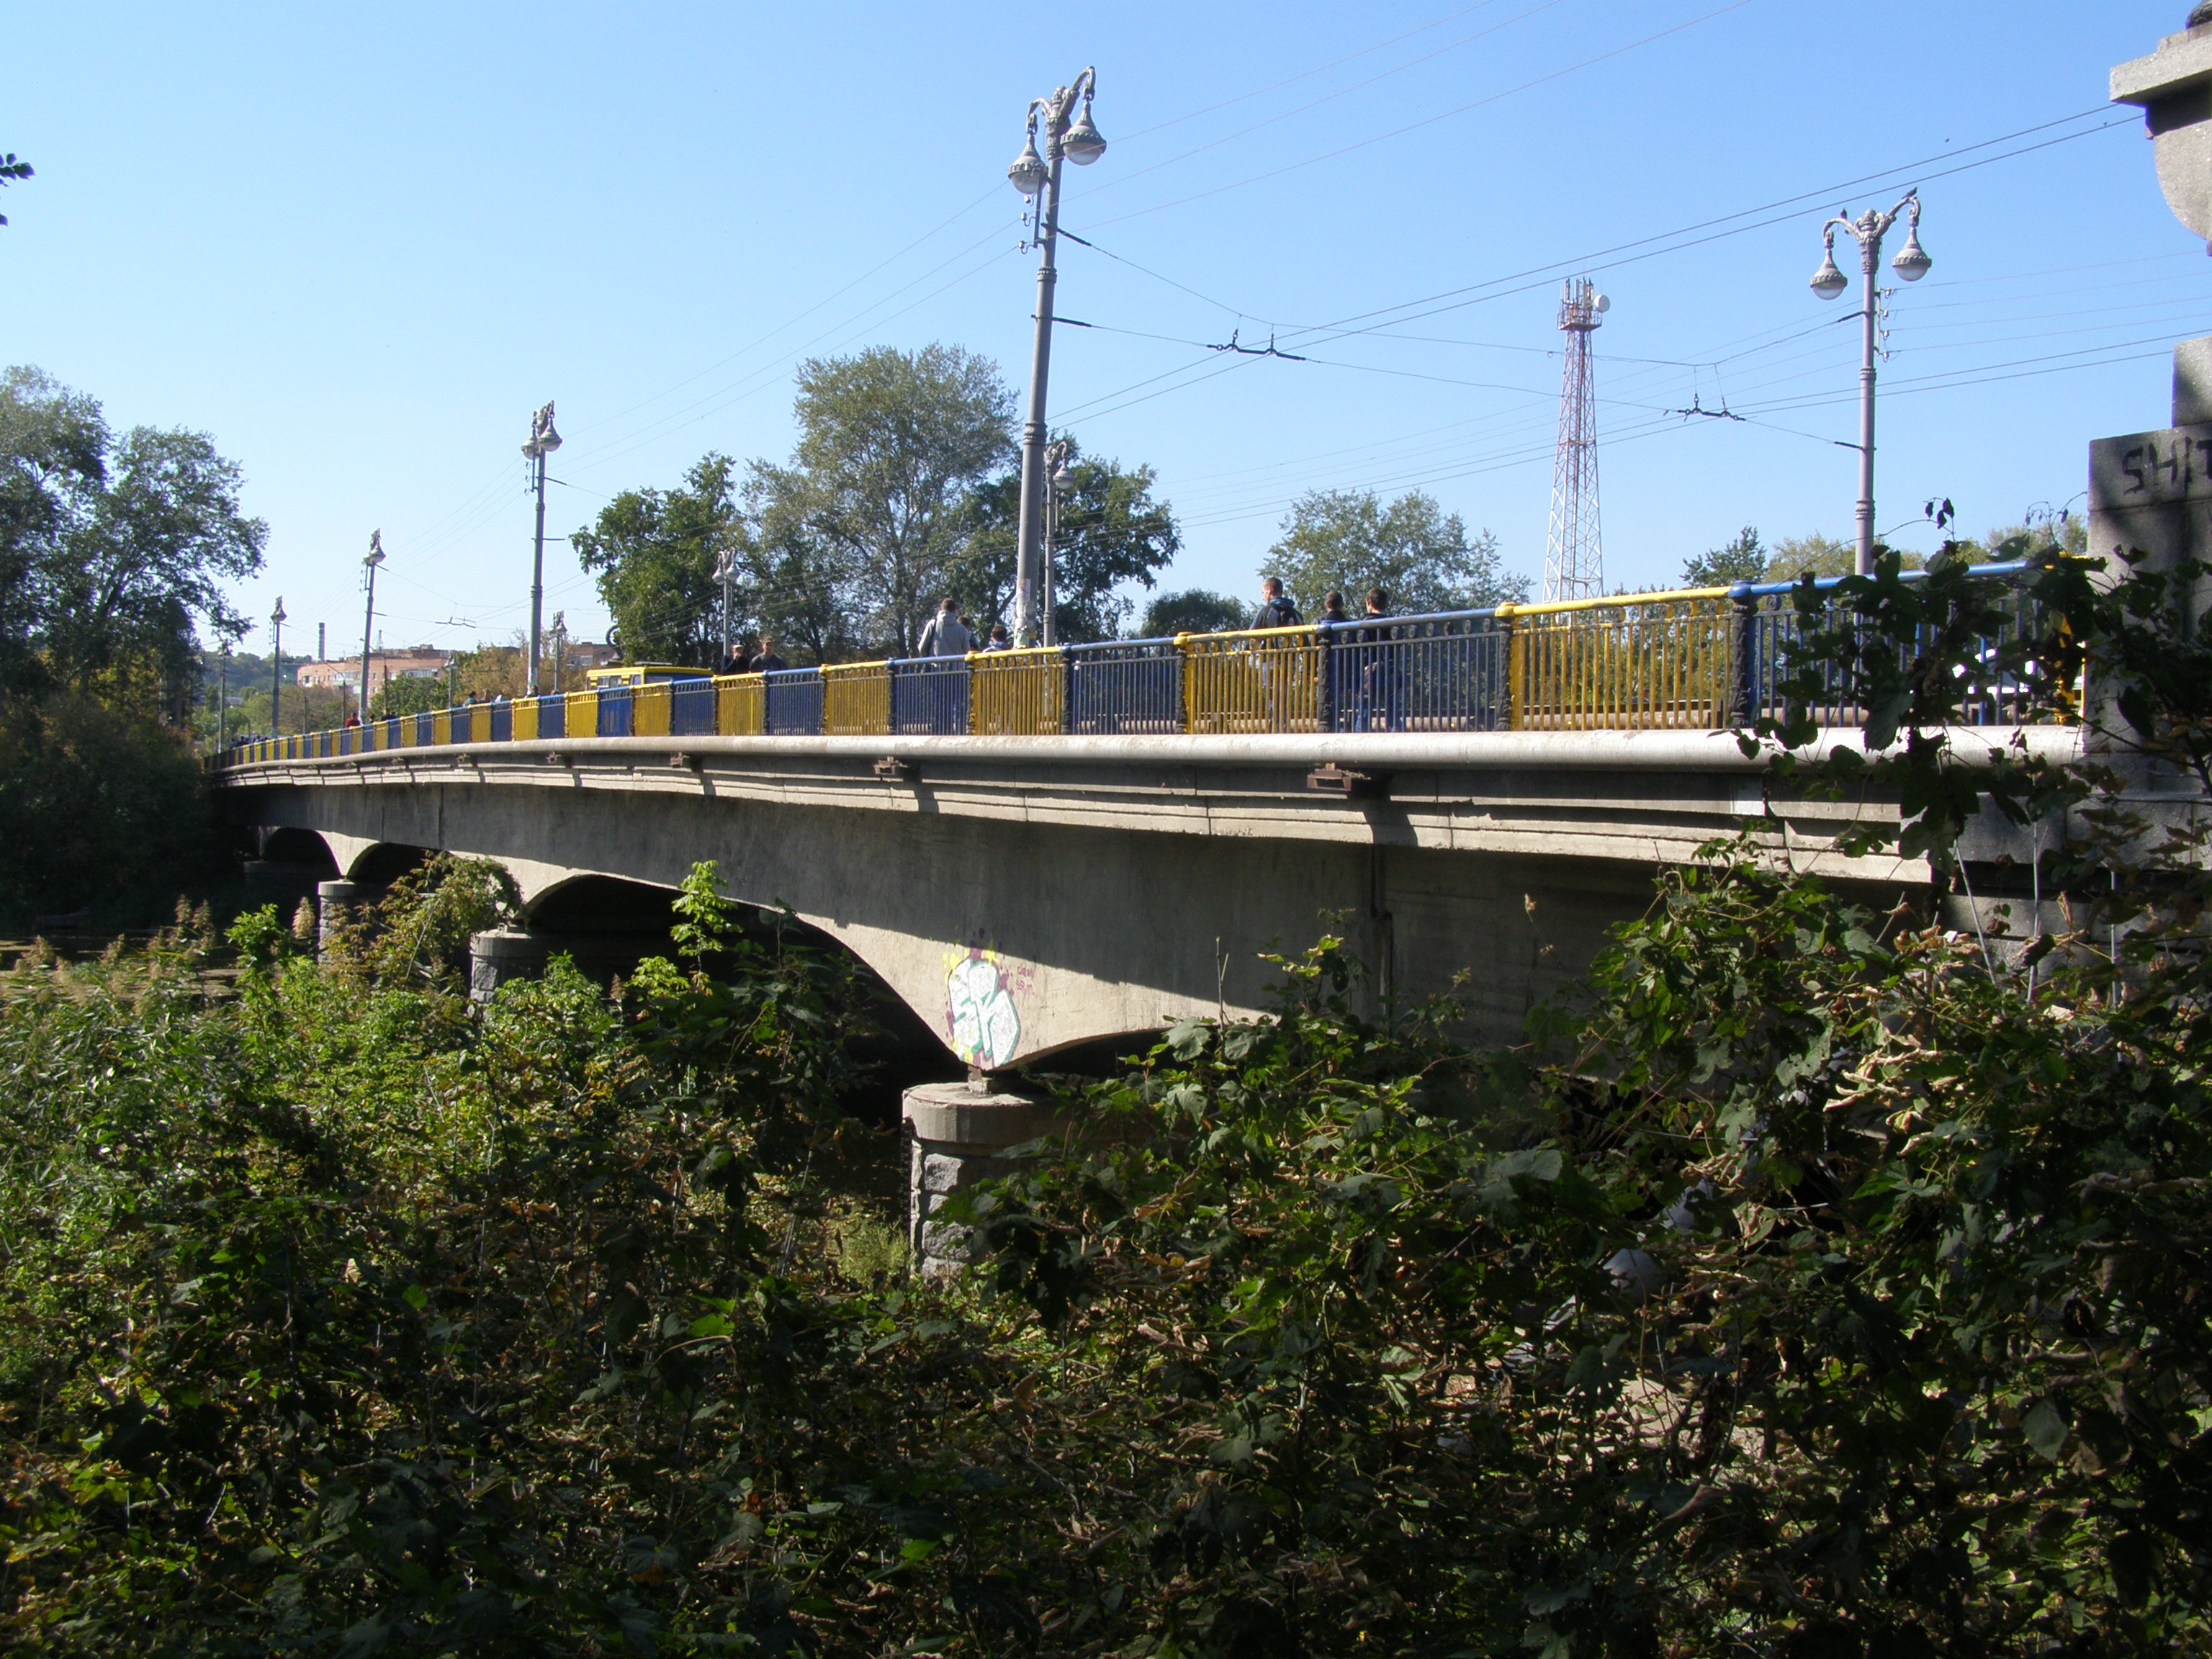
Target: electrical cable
pixel 1430 120
pixel 1229 137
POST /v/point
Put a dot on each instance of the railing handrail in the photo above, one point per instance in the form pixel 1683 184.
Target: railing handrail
pixel 1353 691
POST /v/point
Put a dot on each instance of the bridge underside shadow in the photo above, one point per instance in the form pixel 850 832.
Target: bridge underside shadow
pixel 1011 939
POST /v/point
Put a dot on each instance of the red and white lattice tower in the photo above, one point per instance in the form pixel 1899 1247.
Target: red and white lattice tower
pixel 1574 553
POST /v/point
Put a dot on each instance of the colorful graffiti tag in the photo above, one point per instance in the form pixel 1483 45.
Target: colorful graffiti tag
pixel 980 1020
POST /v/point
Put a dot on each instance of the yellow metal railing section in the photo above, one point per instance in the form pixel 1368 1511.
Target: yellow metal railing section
pixel 1628 662
pixel 649 709
pixel 1266 679
pixel 741 705
pixel 1015 693
pixel 856 700
pixel 1665 660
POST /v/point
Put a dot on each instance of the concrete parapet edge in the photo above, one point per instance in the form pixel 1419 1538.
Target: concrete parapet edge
pixel 1473 750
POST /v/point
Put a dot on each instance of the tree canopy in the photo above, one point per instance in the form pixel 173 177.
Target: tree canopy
pixel 112 550
pixel 1111 532
pixel 904 486
pixel 655 552
pixel 1415 551
pixel 1194 611
pixel 1740 560
pixel 891 444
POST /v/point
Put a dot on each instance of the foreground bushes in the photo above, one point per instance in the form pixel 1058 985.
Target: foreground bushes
pixel 1821 1285
pixel 1857 1311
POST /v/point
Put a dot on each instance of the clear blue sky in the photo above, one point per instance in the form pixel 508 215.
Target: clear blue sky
pixel 358 244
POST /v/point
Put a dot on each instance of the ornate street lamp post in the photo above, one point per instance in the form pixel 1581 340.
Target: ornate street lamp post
pixel 544 441
pixel 1829 281
pixel 374 557
pixel 276 665
pixel 1037 176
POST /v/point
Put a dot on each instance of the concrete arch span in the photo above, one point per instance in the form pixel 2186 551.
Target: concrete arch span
pixel 1019 916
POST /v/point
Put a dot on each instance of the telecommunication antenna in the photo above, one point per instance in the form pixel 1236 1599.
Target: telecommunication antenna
pixel 1574 552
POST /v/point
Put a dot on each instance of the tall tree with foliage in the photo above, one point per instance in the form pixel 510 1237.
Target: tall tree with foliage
pixel 1194 611
pixel 655 552
pixel 113 550
pixel 1419 554
pixel 891 444
pixel 1742 559
pixel 1111 533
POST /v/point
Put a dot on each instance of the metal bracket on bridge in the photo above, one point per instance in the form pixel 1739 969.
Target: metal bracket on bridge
pixel 688 761
pixel 557 759
pixel 892 769
pixel 1334 780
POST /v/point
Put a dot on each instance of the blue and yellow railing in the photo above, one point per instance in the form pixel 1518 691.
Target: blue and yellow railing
pixel 1697 660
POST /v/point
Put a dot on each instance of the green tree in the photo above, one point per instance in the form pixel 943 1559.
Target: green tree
pixel 1416 552
pixel 1111 533
pixel 1822 555
pixel 655 552
pixel 800 599
pixel 1194 611
pixel 416 694
pixel 891 444
pixel 1742 560
pixel 2032 536
pixel 113 552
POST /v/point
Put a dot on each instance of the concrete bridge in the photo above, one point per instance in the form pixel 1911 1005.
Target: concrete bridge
pixel 1026 896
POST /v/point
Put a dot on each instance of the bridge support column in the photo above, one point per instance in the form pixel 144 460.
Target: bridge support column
pixel 332 899
pixel 501 955
pixel 959 1134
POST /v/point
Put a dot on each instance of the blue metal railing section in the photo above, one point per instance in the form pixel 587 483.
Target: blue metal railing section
pixel 1704 658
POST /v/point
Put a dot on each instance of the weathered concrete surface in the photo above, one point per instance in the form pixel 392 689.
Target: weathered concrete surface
pixel 2174 85
pixel 958 1134
pixel 1026 895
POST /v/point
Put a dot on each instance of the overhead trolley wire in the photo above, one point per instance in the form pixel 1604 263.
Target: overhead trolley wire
pixel 1430 120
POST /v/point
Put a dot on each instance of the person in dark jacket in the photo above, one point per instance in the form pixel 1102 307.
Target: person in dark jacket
pixel 1383 671
pixel 765 661
pixel 1344 659
pixel 998 641
pixel 1276 610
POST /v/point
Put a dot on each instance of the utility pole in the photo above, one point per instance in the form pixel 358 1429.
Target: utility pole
pixel 1574 552
pixel 322 641
pixel 726 567
pixel 368 564
pixel 544 441
pixel 1911 264
pixel 1038 177
pixel 275 663
pixel 222 699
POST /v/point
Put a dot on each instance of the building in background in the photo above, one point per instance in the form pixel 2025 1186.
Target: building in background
pixel 415 662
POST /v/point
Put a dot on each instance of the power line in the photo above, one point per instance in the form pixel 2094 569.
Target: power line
pixel 1341 92
pixel 1430 120
pixel 1305 75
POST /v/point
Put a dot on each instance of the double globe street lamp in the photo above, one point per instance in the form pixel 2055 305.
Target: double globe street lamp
pixel 1067 135
pixel 1829 281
